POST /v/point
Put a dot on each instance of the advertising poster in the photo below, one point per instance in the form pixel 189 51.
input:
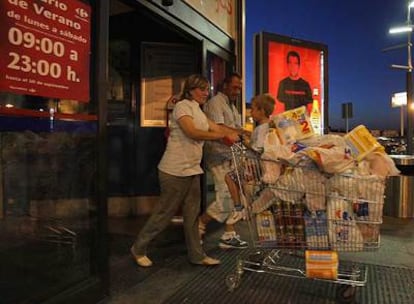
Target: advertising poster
pixel 287 61
pixel 294 72
pixel 45 48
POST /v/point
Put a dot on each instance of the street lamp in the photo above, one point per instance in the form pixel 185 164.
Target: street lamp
pixel 399 100
pixel 408 28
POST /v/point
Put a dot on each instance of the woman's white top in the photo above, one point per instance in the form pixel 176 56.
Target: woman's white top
pixel 182 156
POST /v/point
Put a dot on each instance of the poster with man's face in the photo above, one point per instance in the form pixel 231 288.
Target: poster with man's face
pixel 294 72
pixel 294 75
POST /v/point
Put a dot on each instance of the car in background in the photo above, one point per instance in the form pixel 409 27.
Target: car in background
pixel 393 145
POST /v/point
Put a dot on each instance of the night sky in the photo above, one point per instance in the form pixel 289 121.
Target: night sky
pixel 355 32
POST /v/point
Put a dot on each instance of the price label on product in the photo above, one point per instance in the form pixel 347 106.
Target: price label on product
pixel 45 48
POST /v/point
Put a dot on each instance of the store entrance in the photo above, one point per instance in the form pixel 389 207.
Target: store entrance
pixel 146 68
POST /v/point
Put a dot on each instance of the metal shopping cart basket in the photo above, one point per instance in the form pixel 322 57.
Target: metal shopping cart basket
pixel 300 218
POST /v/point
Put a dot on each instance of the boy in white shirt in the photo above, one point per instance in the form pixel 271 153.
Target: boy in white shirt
pixel 261 110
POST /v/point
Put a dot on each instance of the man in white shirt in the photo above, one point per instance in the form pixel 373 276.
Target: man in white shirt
pixel 222 110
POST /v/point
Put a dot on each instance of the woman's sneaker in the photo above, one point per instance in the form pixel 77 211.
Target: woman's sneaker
pixel 233 243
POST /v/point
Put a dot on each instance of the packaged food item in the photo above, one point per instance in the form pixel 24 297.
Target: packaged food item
pixel 344 234
pixel 322 264
pixel 362 142
pixel 265 224
pixel 370 235
pixel 293 125
pixel 299 236
pixel 316 229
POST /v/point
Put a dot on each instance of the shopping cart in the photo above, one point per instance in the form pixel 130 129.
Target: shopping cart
pixel 300 218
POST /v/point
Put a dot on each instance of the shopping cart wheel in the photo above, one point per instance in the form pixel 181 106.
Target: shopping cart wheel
pixel 345 294
pixel 232 281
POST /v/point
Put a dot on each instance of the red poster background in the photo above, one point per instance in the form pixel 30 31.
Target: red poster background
pixel 310 68
pixel 66 22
